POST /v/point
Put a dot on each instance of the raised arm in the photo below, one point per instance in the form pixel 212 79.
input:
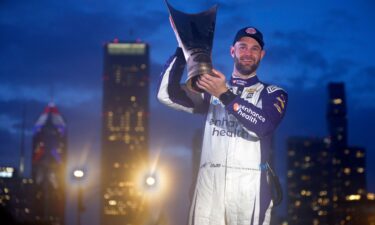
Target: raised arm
pixel 172 93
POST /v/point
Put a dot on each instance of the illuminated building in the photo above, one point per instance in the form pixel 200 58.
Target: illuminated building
pixel 327 177
pixel 309 181
pixel 125 112
pixel 349 163
pixel 48 166
pixel 16 196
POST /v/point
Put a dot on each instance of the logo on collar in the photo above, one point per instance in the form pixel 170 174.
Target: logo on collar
pixel 239 82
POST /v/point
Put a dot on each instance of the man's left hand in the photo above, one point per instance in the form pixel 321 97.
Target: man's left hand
pixel 213 84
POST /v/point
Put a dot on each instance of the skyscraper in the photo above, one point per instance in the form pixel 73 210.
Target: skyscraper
pixel 48 166
pixel 326 177
pixel 125 113
pixel 348 162
pixel 309 181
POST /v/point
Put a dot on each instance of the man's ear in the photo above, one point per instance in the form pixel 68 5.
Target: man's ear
pixel 262 54
pixel 232 51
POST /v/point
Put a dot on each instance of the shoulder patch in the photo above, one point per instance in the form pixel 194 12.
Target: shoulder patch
pixel 273 88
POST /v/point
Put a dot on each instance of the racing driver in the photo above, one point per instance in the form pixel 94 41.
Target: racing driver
pixel 232 186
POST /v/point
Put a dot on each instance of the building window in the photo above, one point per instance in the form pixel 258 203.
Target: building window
pixel 347 170
pixel 360 170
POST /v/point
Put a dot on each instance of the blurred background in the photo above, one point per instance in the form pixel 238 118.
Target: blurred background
pixel 83 139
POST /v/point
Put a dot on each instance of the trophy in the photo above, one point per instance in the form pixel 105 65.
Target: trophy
pixel 195 32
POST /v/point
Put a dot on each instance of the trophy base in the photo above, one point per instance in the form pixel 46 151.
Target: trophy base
pixel 198 65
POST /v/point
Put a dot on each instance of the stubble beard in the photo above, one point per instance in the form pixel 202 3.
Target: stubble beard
pixel 246 69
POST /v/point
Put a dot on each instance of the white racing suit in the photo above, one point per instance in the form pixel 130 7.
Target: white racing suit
pixel 232 186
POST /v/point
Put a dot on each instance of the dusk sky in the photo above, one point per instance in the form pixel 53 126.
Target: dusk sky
pixel 54 50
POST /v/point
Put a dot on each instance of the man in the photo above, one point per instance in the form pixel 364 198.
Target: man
pixel 232 186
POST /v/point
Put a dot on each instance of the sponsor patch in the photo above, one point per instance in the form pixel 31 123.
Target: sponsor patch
pixel 281 99
pixel 251 30
pixel 280 104
pixel 215 101
pixel 277 107
pixel 272 88
pixel 239 82
pixel 251 90
pixel 249 95
pixel 236 107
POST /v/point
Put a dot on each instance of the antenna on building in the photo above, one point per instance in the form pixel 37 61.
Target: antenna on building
pixel 22 143
pixel 52 93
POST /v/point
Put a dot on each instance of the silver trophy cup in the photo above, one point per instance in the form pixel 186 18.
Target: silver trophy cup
pixel 196 33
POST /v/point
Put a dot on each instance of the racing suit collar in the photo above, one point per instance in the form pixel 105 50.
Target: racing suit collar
pixel 235 81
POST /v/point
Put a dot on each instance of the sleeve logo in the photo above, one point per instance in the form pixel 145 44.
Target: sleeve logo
pixel 272 88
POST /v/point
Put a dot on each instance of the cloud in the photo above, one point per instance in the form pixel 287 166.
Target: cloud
pixel 65 96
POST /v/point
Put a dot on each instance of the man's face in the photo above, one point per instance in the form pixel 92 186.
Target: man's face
pixel 247 54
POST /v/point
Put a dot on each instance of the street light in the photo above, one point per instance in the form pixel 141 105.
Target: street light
pixel 79 174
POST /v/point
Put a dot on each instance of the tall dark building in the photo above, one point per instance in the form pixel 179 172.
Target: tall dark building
pixel 309 181
pixel 124 131
pixel 327 177
pixel 336 115
pixel 349 177
pixel 48 166
pixel 16 197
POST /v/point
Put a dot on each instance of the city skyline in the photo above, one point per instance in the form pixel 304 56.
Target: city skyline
pixel 305 49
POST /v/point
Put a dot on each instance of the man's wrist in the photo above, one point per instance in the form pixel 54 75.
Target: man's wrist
pixel 227 97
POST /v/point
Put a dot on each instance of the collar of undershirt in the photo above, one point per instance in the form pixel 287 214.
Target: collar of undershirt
pixel 239 82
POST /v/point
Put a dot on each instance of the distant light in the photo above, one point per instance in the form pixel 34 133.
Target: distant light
pixel 370 196
pixel 150 181
pixel 115 40
pixel 6 172
pixel 353 197
pixel 112 202
pixel 360 170
pixel 78 173
pixel 337 101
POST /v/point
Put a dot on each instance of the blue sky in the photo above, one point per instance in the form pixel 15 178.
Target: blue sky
pixel 54 48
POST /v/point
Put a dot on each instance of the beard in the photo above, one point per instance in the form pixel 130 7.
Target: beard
pixel 243 68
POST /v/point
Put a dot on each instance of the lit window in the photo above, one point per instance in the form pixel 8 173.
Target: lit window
pixel 370 196
pixel 307 158
pixel 323 193
pixel 359 154
pixel 291 153
pixel 346 151
pixel 305 177
pixel 297 203
pixel 337 101
pixel 132 98
pixel 347 183
pixel 112 202
pixel 290 173
pixel 360 170
pixel 116 165
pixel 347 171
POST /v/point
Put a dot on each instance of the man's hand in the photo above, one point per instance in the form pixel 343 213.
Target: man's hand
pixel 214 85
